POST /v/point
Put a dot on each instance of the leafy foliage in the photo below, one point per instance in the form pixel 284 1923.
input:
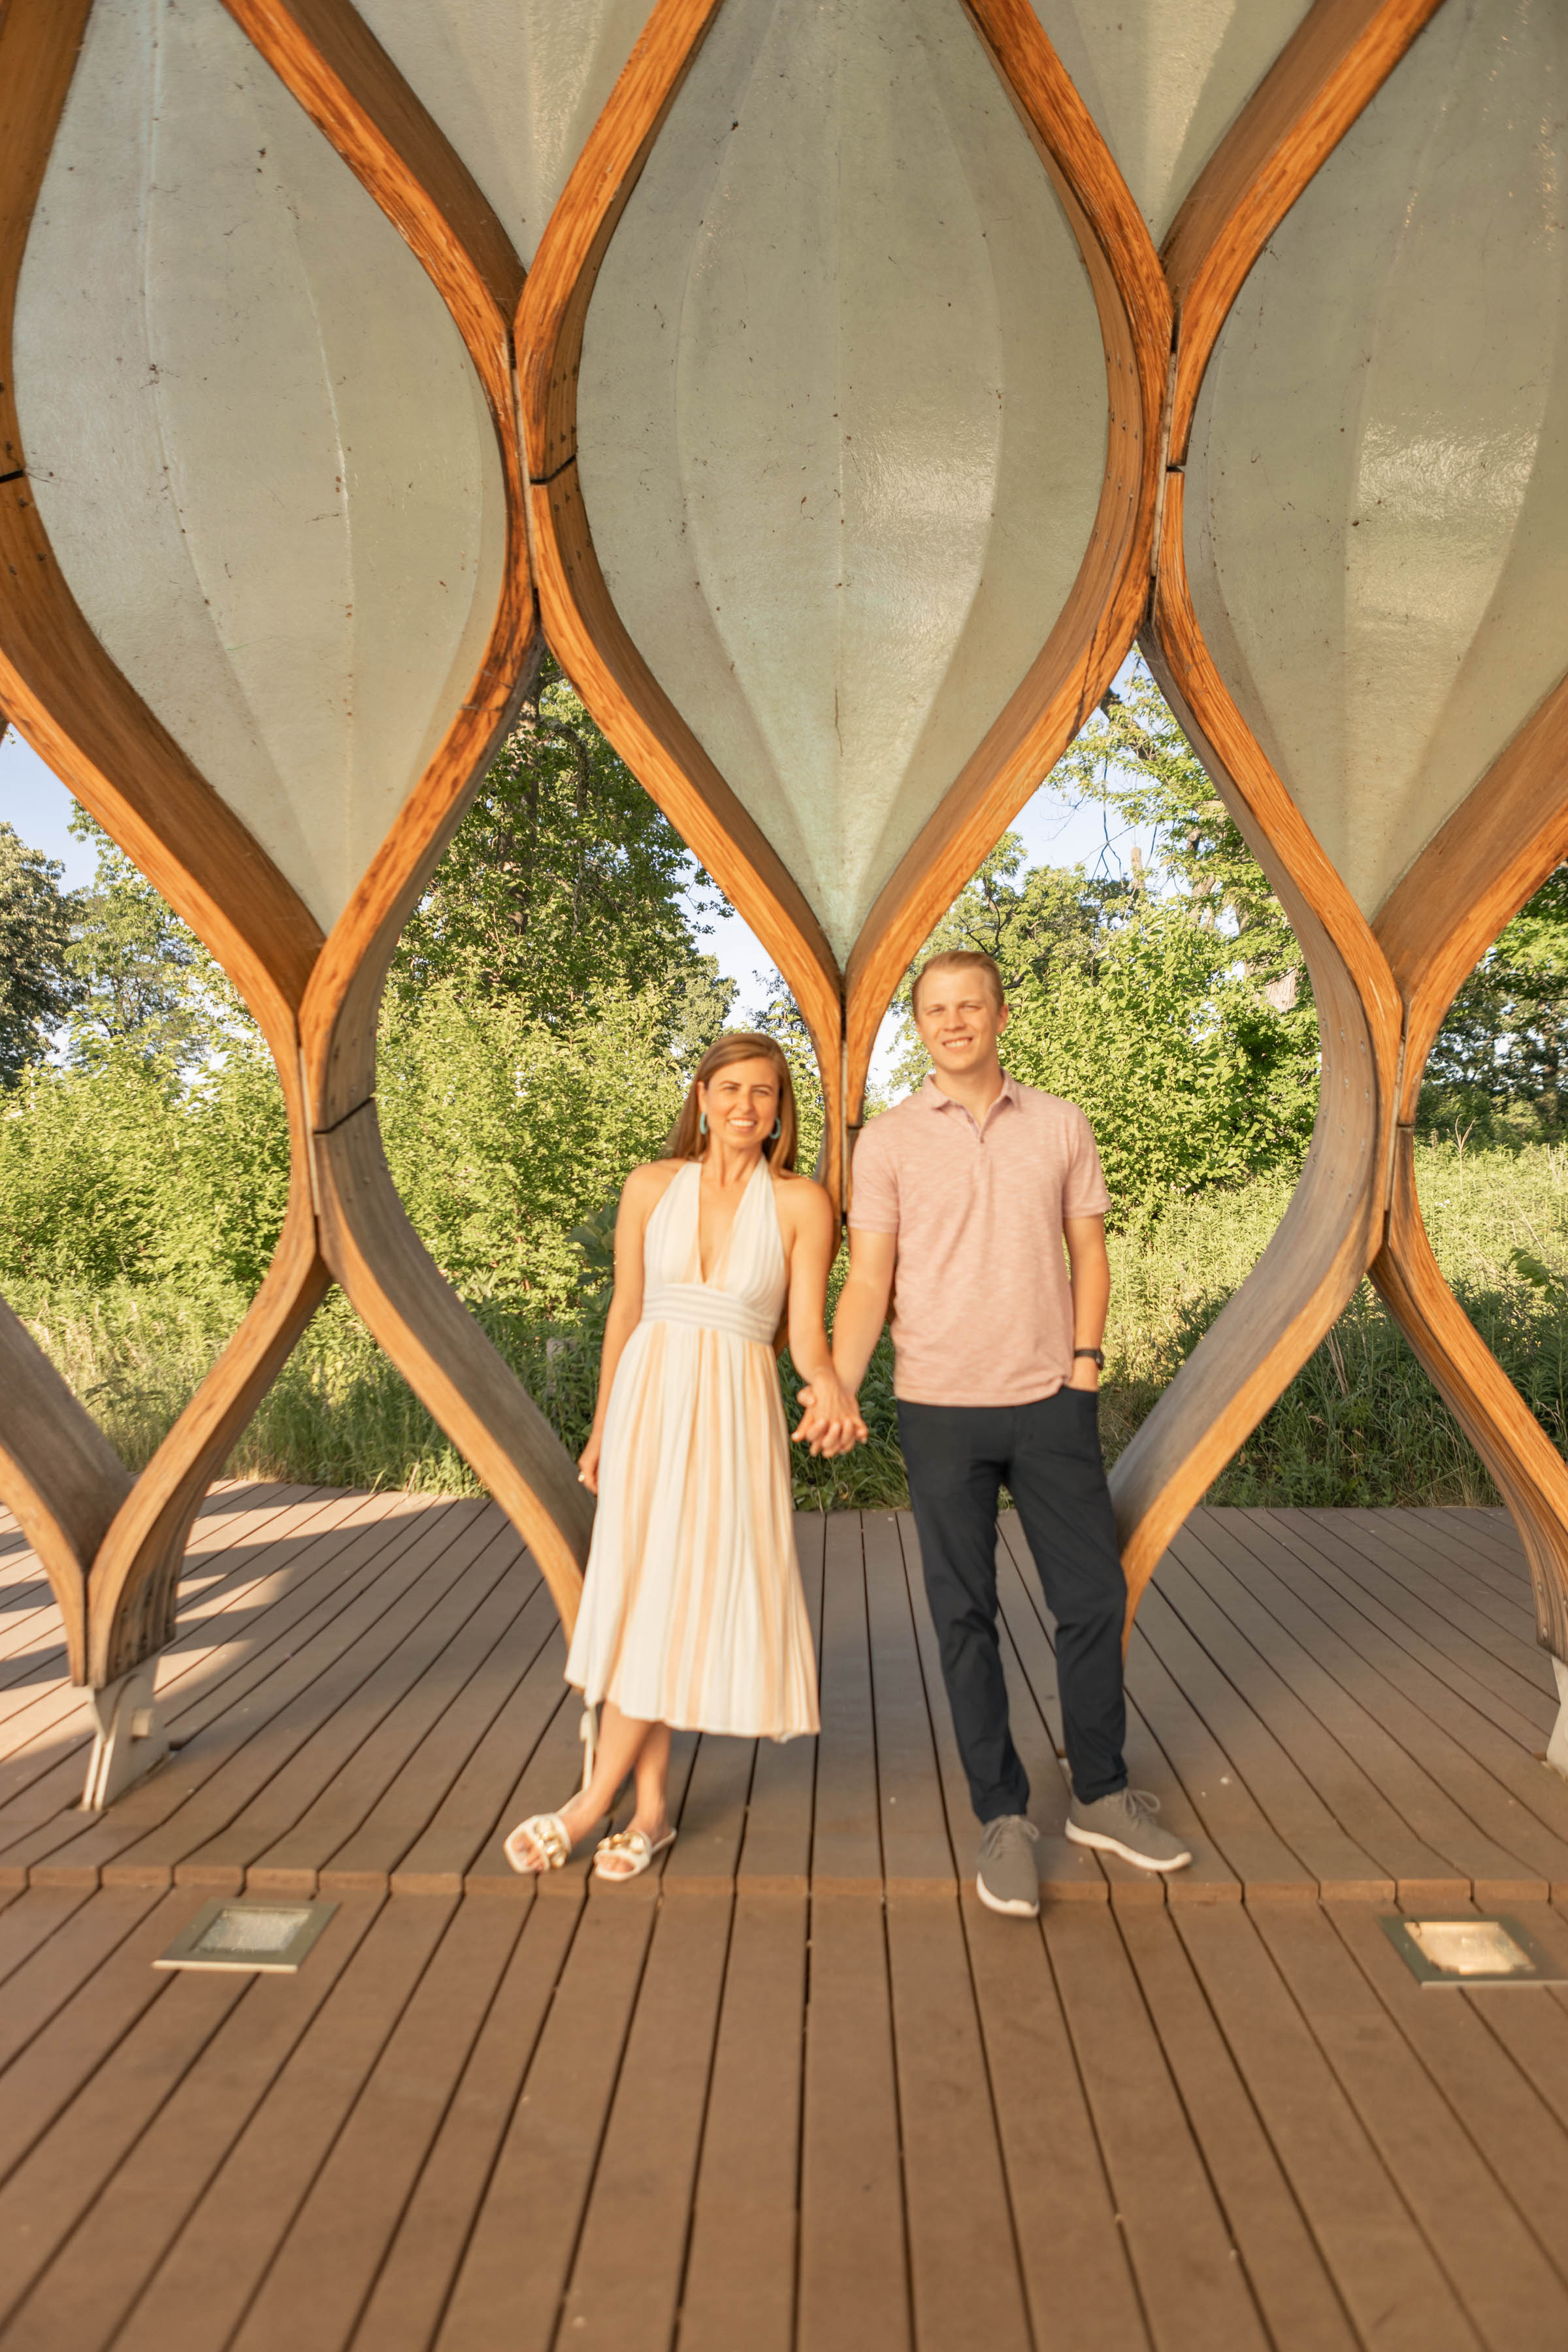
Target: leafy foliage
pixel 36 985
pixel 1170 1003
pixel 142 981
pixel 563 874
pixel 1503 1049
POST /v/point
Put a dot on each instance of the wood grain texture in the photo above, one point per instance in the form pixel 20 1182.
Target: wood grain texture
pixel 586 632
pixel 59 1474
pixel 83 718
pixel 1094 630
pixel 1333 1227
pixel 316 1001
pixel 1508 834
pixel 1506 837
pixel 1335 62
pixel 446 1359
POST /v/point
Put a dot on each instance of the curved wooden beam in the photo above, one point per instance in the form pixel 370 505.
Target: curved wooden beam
pixel 1509 833
pixel 1096 628
pixel 1333 1227
pixel 586 632
pixel 1528 1468
pixel 326 56
pixel 85 720
pixel 314 1000
pixel 1337 59
pixel 59 1474
pixel 446 1357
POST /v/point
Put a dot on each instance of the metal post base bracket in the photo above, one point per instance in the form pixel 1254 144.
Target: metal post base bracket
pixel 1557 1745
pixel 130 1739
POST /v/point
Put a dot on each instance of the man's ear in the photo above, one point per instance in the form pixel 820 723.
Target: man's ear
pixel 1001 1015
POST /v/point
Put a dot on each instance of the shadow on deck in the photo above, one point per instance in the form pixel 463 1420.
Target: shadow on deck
pixel 800 2090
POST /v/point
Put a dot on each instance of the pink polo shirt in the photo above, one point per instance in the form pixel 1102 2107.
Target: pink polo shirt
pixel 982 1303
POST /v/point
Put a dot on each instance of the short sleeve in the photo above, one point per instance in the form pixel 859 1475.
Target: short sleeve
pixel 1084 1192
pixel 874 1185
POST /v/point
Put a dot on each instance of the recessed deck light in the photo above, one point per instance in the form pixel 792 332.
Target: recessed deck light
pixel 271 1938
pixel 1471 1952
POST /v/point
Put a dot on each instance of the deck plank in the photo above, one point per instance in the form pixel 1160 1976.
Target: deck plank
pixel 794 2089
pixel 405 2308
pixel 740 2281
pixel 200 2291
pixel 1059 2193
pixel 536 2195
pixel 1386 2272
pixel 967 2290
pixel 1290 2279
pixel 321 2276
pixel 625 2287
pixel 93 2282
pixel 1514 2299
pixel 853 2279
pixel 1191 2284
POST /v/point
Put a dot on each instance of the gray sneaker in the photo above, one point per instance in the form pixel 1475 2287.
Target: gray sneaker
pixel 1125 1824
pixel 1009 1878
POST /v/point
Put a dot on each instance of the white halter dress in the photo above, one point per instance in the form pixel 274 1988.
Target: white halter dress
pixel 692 1612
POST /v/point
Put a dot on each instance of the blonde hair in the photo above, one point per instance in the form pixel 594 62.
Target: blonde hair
pixel 961 959
pixel 687 1140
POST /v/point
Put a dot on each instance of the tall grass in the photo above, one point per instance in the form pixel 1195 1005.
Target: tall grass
pixel 1360 1424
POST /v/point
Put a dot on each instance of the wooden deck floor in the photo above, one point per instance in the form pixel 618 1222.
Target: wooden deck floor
pixel 800 2090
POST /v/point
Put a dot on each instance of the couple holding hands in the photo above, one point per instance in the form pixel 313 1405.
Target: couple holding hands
pixel 692 1615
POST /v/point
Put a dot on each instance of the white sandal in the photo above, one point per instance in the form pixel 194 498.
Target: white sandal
pixel 637 1845
pixel 547 1832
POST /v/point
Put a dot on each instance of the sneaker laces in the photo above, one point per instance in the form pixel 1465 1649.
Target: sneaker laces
pixel 991 1836
pixel 1140 1801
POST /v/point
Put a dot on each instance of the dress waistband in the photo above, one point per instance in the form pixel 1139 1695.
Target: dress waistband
pixel 709 1310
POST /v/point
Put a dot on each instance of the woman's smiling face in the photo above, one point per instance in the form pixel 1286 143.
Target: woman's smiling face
pixel 741 1101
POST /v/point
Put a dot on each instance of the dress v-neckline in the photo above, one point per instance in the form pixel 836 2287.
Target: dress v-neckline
pixel 711 1281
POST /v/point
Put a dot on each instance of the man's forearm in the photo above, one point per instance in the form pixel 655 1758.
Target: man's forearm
pixel 857 1323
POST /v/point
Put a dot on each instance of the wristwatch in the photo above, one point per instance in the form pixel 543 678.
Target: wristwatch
pixel 1097 1353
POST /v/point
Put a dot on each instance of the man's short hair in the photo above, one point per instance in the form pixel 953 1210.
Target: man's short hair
pixel 961 959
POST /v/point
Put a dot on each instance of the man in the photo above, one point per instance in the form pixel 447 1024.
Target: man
pixel 962 1197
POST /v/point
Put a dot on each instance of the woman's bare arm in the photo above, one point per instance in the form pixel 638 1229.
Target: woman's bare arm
pixel 830 1423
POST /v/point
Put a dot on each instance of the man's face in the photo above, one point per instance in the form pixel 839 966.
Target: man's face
pixel 958 1020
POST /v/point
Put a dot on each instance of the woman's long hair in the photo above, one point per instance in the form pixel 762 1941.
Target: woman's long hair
pixel 686 1139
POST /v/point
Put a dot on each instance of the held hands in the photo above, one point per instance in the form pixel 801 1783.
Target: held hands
pixel 830 1418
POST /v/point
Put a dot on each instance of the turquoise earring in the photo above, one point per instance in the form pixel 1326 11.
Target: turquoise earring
pixel 702 1123
pixel 778 1130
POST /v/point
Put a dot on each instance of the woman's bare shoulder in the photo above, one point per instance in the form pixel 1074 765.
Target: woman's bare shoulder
pixel 803 1195
pixel 649 1183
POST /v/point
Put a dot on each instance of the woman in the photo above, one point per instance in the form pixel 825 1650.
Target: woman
pixel 692 1615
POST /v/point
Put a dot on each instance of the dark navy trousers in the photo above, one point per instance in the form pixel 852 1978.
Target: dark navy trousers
pixel 1047 1454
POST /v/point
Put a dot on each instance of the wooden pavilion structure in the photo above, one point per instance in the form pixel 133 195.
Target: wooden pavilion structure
pixel 840 388
pixel 840 391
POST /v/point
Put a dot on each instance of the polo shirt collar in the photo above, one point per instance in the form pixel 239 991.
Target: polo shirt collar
pixel 935 1099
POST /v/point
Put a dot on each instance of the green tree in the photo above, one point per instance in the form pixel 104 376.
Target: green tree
pixel 37 987
pixel 1504 1045
pixel 142 978
pixel 563 876
pixel 1133 758
pixel 503 1130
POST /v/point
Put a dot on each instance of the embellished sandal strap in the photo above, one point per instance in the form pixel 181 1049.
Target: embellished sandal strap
pixel 548 1832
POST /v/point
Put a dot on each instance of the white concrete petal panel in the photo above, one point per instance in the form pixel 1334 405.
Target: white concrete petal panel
pixel 516 85
pixel 1164 80
pixel 1378 476
pixel 841 420
pixel 257 441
